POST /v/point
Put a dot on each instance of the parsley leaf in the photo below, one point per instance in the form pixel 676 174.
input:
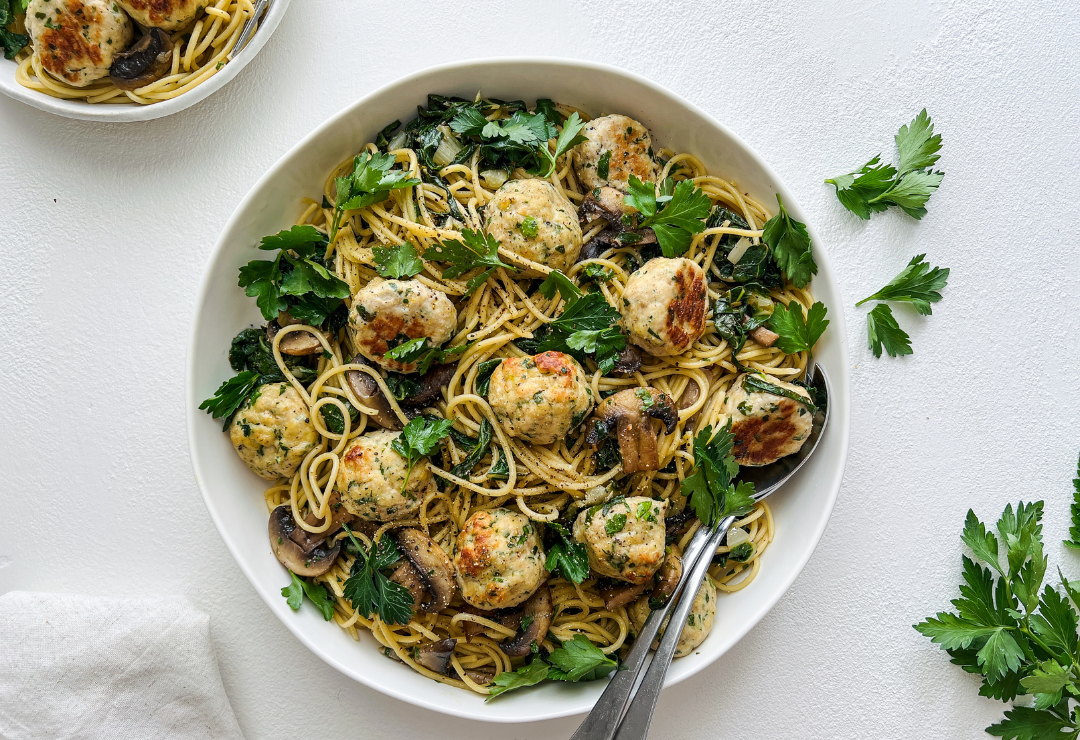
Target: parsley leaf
pixel 528 675
pixel 790 245
pixel 681 218
pixel 557 281
pixel 469 122
pixel 569 556
pixel 909 185
pixel 918 144
pixel 397 261
pixel 474 250
pixel 575 660
pixel 709 487
pixel 587 325
pixel 418 439
pixel 569 137
pixel 579 660
pixel 369 590
pixel 297 279
pixel 797 334
pixel 883 331
pixel 369 183
pixel 420 351
pixel 294 593
pixel 615 524
pixel 1074 530
pixel 857 190
pixel 230 396
pixel 917 284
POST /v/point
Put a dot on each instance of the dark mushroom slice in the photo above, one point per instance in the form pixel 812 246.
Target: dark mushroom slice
pixel 472 629
pixel 622 594
pixel 367 391
pixel 149 59
pixel 433 567
pixel 667 578
pixel 535 619
pixel 435 656
pixel 295 549
pixel 764 337
pixel 627 413
pixel 627 362
pixel 431 384
pixel 406 575
pixel 296 343
pixel 481 677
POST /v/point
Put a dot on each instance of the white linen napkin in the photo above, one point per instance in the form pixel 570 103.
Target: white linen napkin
pixel 91 667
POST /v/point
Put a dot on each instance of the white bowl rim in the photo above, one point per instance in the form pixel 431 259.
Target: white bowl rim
pixel 123 113
pixel 839 377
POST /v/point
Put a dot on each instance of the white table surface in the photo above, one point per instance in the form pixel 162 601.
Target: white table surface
pixel 106 229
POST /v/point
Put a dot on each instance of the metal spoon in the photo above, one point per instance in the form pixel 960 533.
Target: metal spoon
pixel 603 722
pixel 248 29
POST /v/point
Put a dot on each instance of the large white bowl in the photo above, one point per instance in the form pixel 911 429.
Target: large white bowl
pixel 119 112
pixel 233 494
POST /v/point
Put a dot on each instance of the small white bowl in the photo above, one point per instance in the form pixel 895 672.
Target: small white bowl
pixel 233 494
pixel 120 112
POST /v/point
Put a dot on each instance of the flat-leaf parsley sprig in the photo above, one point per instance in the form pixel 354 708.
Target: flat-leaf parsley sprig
pixel 369 183
pixel 472 251
pixel 587 325
pixel 368 588
pixel 917 284
pixel 574 660
pixel 713 494
pixel 908 185
pixel 1016 632
pixel 685 209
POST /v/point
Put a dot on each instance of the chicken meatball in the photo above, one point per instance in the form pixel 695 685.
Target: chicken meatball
pixel 698 624
pixel 386 313
pixel 166 14
pixel 272 431
pixel 619 144
pixel 767 426
pixel 77 40
pixel 540 398
pixel 663 306
pixel 624 537
pixel 372 479
pixel 499 559
pixel 533 219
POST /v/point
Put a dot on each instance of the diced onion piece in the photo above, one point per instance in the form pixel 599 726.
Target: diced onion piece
pixel 494 179
pixel 736 536
pixel 738 250
pixel 448 149
pixel 761 304
pixel 398 142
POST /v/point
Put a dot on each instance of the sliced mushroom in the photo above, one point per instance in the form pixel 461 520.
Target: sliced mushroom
pixel 295 548
pixel 535 619
pixel 622 594
pixel 406 575
pixel 431 384
pixel 690 395
pixel 667 578
pixel 295 343
pixel 764 336
pixel 367 391
pixel 472 629
pixel 435 656
pixel 628 361
pixel 149 59
pixel 627 412
pixel 481 677
pixel 433 567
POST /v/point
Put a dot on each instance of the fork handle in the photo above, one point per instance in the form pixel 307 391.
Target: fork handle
pixel 603 720
pixel 635 724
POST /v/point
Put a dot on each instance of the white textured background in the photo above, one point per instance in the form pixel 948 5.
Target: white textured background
pixel 106 228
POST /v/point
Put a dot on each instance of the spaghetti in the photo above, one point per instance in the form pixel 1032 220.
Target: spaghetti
pixel 543 482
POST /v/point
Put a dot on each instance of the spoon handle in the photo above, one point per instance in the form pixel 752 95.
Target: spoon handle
pixel 603 720
pixel 635 725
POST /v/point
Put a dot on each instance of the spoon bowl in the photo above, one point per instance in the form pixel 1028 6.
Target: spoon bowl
pixel 768 478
